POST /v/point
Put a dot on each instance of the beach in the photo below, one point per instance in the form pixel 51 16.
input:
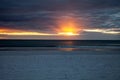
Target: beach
pixel 59 39
pixel 60 65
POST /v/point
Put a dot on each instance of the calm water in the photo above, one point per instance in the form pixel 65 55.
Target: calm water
pixel 65 45
pixel 57 43
pixel 59 60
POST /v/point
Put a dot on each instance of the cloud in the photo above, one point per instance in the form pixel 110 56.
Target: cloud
pixel 104 31
pixel 42 15
pixel 57 4
pixel 46 20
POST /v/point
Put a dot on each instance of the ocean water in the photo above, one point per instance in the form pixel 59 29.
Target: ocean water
pixel 68 45
pixel 59 60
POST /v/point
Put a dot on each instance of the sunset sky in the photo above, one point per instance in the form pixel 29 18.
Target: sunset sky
pixel 60 19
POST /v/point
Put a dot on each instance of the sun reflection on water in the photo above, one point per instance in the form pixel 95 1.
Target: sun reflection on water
pixel 67 46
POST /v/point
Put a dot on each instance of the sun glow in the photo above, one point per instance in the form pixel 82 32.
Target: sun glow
pixel 67 27
pixel 68 33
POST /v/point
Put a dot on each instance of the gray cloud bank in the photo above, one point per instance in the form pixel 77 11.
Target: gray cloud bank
pixel 57 4
pixel 43 20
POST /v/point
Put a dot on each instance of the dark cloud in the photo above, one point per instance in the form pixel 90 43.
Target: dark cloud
pixel 44 20
pixel 96 3
pixel 42 14
pixel 20 10
pixel 57 4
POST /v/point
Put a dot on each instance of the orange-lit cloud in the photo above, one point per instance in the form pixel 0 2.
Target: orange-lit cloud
pixel 15 32
pixel 71 30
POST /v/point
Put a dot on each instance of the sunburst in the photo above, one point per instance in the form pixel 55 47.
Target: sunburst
pixel 67 27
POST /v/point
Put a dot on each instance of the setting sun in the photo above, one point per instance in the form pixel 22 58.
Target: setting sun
pixel 67 27
pixel 68 33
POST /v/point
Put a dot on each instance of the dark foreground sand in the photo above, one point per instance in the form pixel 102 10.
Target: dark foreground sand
pixel 59 65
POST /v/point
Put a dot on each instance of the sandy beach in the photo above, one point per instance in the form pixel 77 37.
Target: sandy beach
pixel 59 65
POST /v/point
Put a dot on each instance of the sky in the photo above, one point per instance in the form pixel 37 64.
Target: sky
pixel 45 19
